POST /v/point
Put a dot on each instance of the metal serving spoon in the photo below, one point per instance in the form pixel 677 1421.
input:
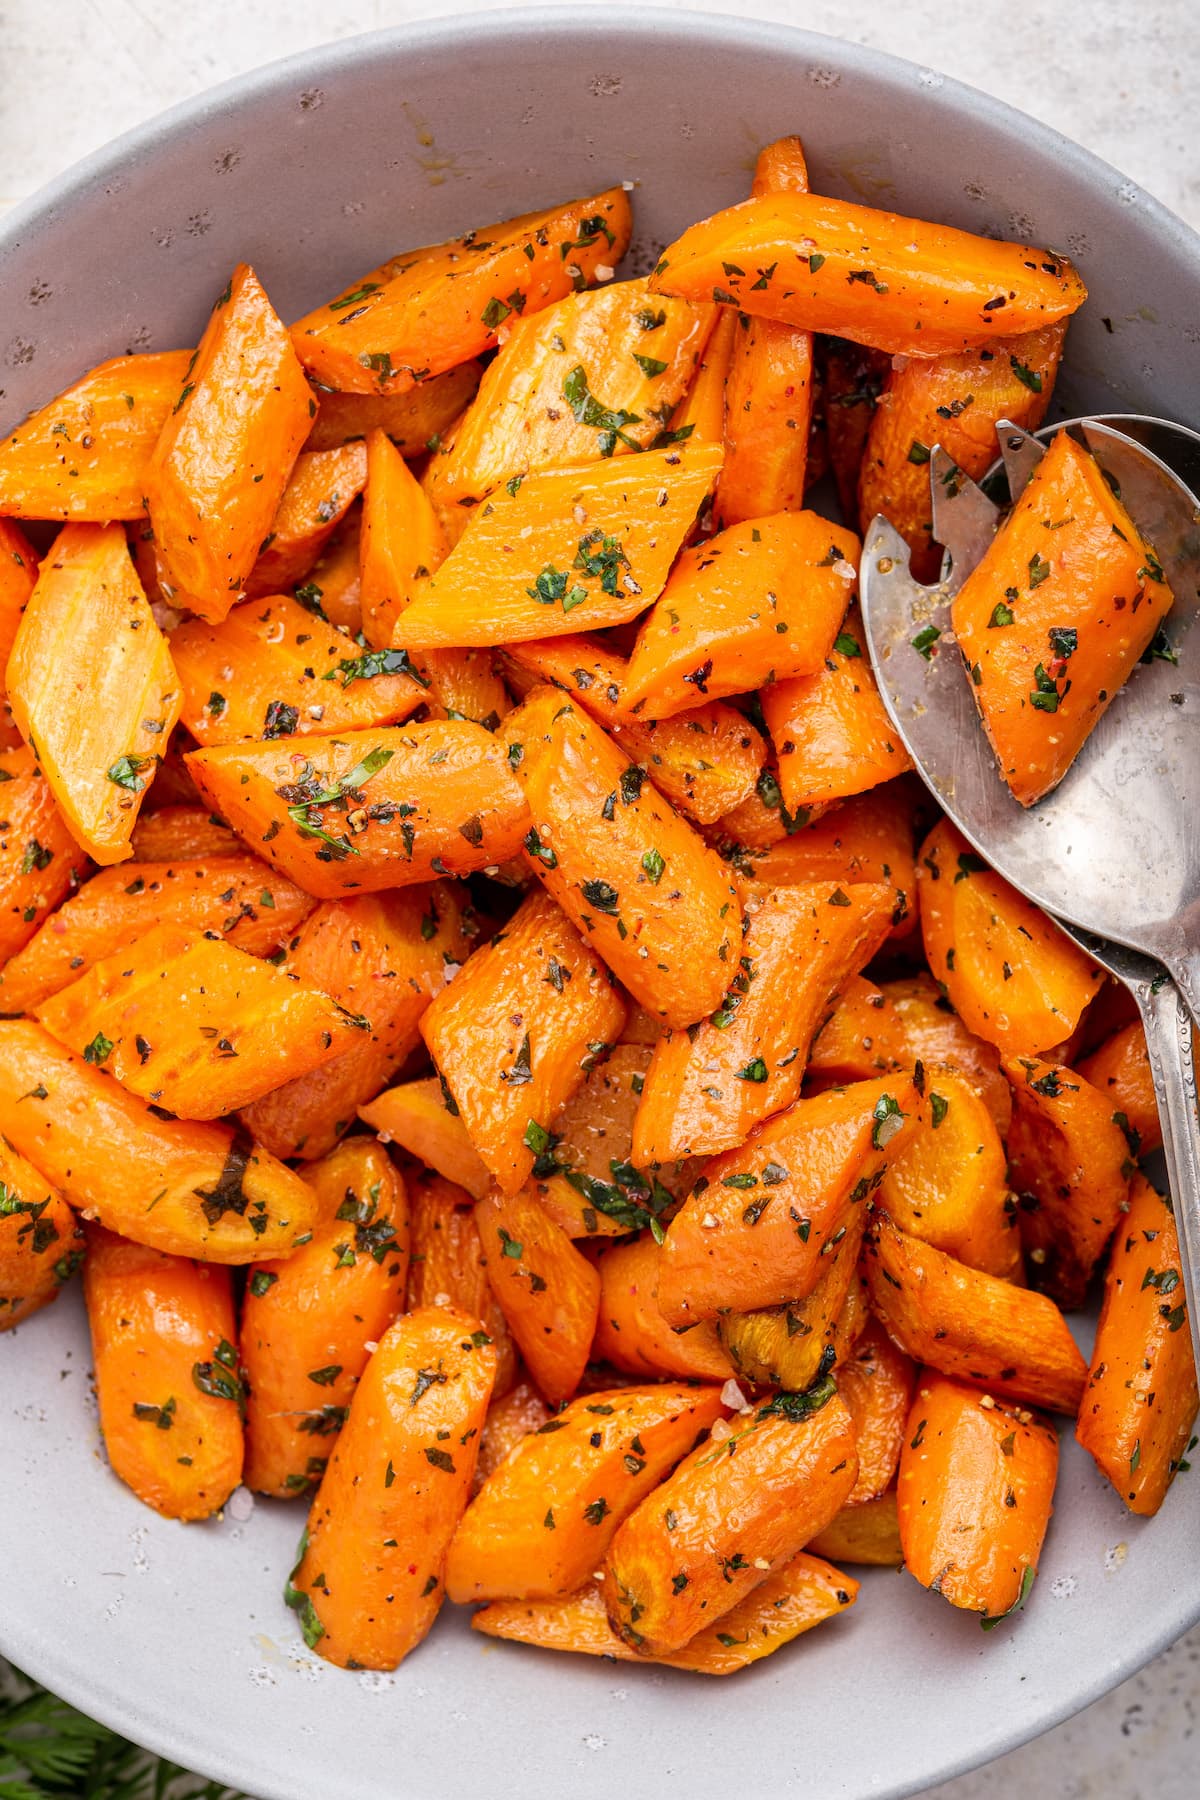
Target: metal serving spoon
pixel 1114 851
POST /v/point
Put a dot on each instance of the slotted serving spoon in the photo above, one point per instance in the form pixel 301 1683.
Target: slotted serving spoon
pixel 1113 853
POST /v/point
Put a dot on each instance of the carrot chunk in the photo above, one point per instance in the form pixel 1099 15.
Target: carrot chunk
pixel 415 420
pixel 867 1533
pixel 422 1117
pixel 876 1382
pixel 40 861
pixel 401 542
pixel 1120 1069
pixel 867 838
pixel 548 1291
pixel 449 1265
pixel 631 1332
pixel 181 834
pixel 323 487
pixel 41 1245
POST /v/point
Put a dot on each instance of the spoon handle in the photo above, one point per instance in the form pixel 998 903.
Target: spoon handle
pixel 1171 1046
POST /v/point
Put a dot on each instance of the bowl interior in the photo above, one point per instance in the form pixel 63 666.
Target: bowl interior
pixel 314 170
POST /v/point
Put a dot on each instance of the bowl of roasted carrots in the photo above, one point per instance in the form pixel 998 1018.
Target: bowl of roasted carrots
pixel 527 1142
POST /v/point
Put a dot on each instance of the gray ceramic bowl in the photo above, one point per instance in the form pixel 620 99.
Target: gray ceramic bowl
pixel 314 170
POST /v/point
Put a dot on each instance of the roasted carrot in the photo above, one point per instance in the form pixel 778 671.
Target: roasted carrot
pixel 181 834
pixel 830 730
pixel 868 838
pixel 709 1086
pixel 383 958
pixel 40 861
pixel 422 1117
pixel 973 1327
pixel 876 1382
pixel 791 1346
pixel 164 1347
pixel 86 454
pixel 567 550
pixel 804 1593
pixel 1070 1161
pixel 654 901
pixel 1120 1069
pixel 224 456
pixel 310 1321
pixel 1141 1398
pixel 781 167
pixel 631 1332
pixel 333 588
pixel 514 1034
pixel 424 311
pixel 1011 975
pixel 762 820
pixel 416 420
pixel 955 401
pixel 41 1245
pixel 196 1025
pixel 854 378
pixel 897 1025
pixel 238 896
pixel 295 676
pixel 548 1291
pixel 18 575
pixel 368 1583
pixel 705 760
pixel 1053 619
pixel 464 684
pixel 543 1522
pixel 88 635
pixel 597 374
pixel 974 1496
pixel 902 285
pixel 949 1185
pixel 323 487
pixel 370 809
pixel 759 603
pixel 700 414
pixel 734 1512
pixel 174 1185
pixel 401 541
pixel 869 1533
pixel 449 1265
pixel 510 1418
pixel 760 1222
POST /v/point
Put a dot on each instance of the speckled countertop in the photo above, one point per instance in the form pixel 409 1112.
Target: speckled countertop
pixel 77 72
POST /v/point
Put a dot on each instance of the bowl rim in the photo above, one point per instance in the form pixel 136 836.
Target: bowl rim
pixel 33 1653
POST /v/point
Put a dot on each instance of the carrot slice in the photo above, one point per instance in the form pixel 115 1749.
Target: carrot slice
pixel 700 415
pixel 308 1321
pixel 85 456
pixel 973 1327
pixel 515 1032
pixel 760 602
pixel 510 1418
pixel 548 1291
pixel 955 401
pixel 897 1025
pixel 1070 1164
pixel 18 575
pixel 568 550
pixel 1141 1397
pixel 368 1583
pixel 1011 975
pixel 949 1185
pixel 631 1332
pixel 734 1512
pixel 333 588
pixel 709 1086
pixel 225 454
pixel 853 380
pixel 876 1382
pixel 41 1245
pixel 324 485
pixel 423 1119
pixel 831 732
pixel 370 809
pixel 382 957
pixel 401 541
pixel 781 167
pixel 542 1523
pixel 178 1186
pixel 869 1533
pixel 237 896
pixel 867 838
pixel 88 613
pixel 1120 1069
pixel 975 1494
pixel 181 834
pixel 791 1346
pixel 416 420
pixel 464 684
pixel 171 1400
pixel 196 1025
pixel 426 310
pixel 705 760
pixel 449 1265
pixel 760 1221
pixel 294 676
pixel 902 285
pixel 40 861
pixel 653 898
pixel 1053 619
pixel 595 374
